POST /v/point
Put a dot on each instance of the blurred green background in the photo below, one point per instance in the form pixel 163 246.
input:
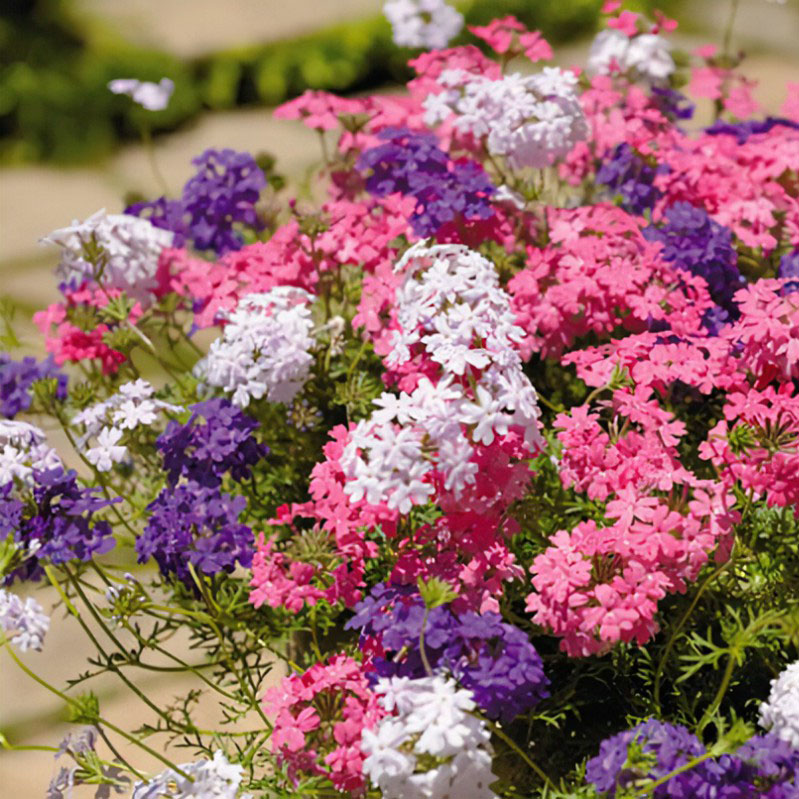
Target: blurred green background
pixel 56 57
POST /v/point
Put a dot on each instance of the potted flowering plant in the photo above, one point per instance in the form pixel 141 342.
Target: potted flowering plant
pixel 484 483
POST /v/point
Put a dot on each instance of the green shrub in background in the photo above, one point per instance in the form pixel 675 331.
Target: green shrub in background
pixel 55 66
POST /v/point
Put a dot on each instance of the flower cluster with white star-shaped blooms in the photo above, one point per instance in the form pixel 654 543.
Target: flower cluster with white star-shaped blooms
pixel 206 779
pixel 780 714
pixel 23 451
pixel 429 24
pixel 645 57
pixel 23 622
pixel 453 318
pixel 264 350
pixel 530 120
pixel 128 249
pixel 110 421
pixel 431 718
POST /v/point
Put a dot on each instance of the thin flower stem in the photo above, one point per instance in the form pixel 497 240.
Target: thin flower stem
pixel 497 730
pixel 149 149
pixel 676 631
pixel 422 651
pixel 98 619
pixel 116 753
pixel 693 763
pixel 73 703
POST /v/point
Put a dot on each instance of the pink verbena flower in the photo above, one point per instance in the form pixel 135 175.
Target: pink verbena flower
pixel 319 717
pixel 508 35
pixel 68 342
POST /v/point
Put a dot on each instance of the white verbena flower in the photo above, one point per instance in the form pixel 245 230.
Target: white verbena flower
pixel 432 716
pixel 213 779
pixel 451 307
pixel 133 405
pixel 152 96
pixel 130 247
pixel 429 24
pixel 780 714
pixel 264 350
pixel 108 451
pixel 24 622
pixel 23 450
pixel 530 120
pixel 646 56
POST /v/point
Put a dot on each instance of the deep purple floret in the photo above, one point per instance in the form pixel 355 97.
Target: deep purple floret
pixel 493 659
pixel 765 766
pixel 165 214
pixel 751 127
pixel 667 746
pixel 672 103
pixel 59 525
pixel 789 267
pixel 17 377
pixel 217 439
pixel 191 523
pixel 630 176
pixel 413 164
pixel 696 243
pixel 224 191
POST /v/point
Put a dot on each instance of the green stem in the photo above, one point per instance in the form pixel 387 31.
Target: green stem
pixel 676 631
pixel 497 730
pixel 725 683
pixel 693 763
pixel 422 652
pixel 98 646
pixel 727 41
pixel 73 703
pixel 149 149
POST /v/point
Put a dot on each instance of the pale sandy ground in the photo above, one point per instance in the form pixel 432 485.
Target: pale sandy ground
pixel 35 200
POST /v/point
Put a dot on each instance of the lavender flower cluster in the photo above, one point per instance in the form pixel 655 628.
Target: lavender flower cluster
pixel 56 524
pixel 493 659
pixel 696 243
pixel 224 192
pixel 630 176
pixel 216 439
pixel 18 377
pixel 765 766
pixel 193 522
pixel 413 164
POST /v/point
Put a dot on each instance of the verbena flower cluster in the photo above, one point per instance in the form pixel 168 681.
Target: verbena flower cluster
pixel 17 379
pixel 222 195
pixel 474 473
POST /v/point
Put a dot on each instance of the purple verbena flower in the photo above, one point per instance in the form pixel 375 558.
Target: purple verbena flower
pixel 165 214
pixel 662 748
pixel 765 766
pixel 696 243
pixel 493 659
pixel 203 451
pixel 17 377
pixel 58 526
pixel 413 164
pixel 751 127
pixel 192 523
pixel 672 103
pixel 630 176
pixel 224 191
pixel 789 267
